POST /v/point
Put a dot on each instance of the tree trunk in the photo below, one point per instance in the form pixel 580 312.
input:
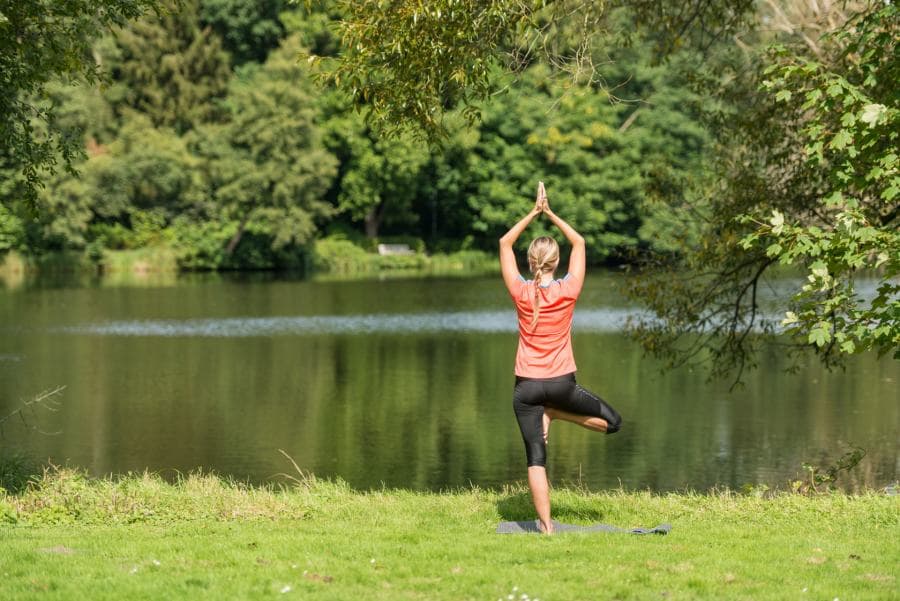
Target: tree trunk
pixel 373 220
pixel 236 239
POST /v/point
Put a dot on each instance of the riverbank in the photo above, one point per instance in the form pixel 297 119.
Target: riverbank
pixel 138 537
pixel 329 259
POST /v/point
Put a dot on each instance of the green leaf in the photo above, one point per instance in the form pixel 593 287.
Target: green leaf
pixel 841 140
pixel 871 113
pixel 819 269
pixel 836 198
pixel 783 96
pixel 777 221
pixel 819 335
pixel 848 119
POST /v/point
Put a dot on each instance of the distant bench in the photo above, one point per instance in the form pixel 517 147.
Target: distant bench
pixel 395 249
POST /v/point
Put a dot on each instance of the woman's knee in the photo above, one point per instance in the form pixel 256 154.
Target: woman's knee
pixel 612 417
pixel 613 423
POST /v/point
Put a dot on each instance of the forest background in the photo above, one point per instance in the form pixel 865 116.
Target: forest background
pixel 209 137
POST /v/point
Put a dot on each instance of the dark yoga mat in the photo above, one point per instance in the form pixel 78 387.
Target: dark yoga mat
pixel 532 527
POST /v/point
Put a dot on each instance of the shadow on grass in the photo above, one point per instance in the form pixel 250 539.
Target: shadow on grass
pixel 518 507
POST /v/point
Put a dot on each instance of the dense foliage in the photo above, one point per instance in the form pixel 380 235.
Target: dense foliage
pixel 807 181
pixel 41 40
pixel 210 136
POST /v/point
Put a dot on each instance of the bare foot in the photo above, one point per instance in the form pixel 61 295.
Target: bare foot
pixel 547 419
pixel 546 528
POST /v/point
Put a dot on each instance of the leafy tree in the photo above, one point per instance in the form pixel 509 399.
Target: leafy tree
pixel 599 157
pixel 378 176
pixel 807 177
pixel 145 174
pixel 168 67
pixel 266 164
pixel 846 107
pixel 316 23
pixel 409 64
pixel 41 40
pixel 249 29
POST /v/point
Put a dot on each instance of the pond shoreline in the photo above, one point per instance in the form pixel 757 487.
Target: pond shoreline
pixel 155 263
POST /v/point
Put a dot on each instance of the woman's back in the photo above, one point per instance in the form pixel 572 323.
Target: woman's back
pixel 545 347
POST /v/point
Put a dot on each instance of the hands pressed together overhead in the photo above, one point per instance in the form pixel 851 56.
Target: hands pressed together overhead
pixel 541 204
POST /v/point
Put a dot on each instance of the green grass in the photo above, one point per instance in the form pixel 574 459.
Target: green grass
pixel 138 537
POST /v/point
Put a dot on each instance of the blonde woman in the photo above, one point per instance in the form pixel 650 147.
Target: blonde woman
pixel 545 364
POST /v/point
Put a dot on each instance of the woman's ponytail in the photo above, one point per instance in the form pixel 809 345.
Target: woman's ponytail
pixel 543 256
pixel 536 304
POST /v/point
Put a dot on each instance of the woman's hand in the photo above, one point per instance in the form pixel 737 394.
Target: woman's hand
pixel 542 198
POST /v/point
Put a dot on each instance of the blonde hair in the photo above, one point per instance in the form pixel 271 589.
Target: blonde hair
pixel 543 257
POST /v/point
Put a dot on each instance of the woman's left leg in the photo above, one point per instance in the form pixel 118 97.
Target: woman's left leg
pixel 540 495
pixel 527 402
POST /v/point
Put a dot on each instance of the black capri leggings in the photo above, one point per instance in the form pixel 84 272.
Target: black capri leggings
pixel 562 392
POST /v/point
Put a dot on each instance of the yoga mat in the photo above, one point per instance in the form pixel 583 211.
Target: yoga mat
pixel 531 527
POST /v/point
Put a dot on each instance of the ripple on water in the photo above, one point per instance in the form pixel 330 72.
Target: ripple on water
pixel 594 320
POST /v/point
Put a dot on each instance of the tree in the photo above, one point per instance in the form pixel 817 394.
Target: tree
pixel 267 162
pixel 168 67
pixel 845 103
pixel 378 177
pixel 125 192
pixel 408 61
pixel 41 40
pixel 807 177
pixel 250 29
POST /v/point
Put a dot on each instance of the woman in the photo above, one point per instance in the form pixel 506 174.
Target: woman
pixel 545 365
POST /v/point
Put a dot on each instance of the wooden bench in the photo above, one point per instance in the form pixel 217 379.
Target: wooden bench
pixel 395 249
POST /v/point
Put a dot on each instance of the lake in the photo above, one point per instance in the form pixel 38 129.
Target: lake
pixel 399 383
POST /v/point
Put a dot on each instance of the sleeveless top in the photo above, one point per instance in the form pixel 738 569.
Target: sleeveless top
pixel 545 351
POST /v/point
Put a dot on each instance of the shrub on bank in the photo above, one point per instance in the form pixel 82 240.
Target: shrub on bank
pixel 339 256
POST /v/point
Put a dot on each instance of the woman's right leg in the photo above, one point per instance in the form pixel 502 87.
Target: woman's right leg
pixel 570 402
pixel 597 424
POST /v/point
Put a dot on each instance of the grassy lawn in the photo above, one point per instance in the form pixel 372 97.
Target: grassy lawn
pixel 69 537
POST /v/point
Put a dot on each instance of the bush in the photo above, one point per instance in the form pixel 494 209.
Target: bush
pixel 336 254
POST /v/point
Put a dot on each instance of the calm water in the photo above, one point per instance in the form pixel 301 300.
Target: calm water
pixel 399 383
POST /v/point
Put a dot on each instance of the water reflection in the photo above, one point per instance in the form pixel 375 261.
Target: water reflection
pixel 403 384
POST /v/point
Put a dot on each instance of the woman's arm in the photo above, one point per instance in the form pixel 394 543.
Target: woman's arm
pixel 577 257
pixel 508 266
